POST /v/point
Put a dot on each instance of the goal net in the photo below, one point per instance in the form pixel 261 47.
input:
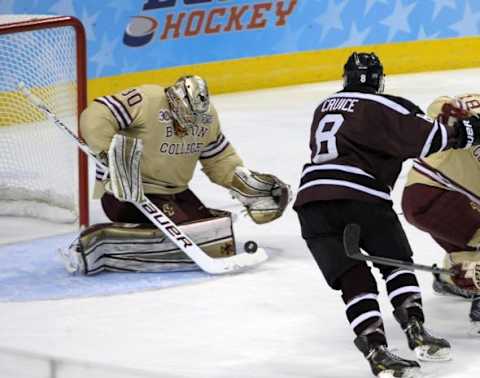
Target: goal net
pixel 42 173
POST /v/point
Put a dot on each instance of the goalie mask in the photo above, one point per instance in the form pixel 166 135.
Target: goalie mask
pixel 189 100
pixel 364 69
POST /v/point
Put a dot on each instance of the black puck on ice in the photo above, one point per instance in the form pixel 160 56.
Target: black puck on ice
pixel 250 246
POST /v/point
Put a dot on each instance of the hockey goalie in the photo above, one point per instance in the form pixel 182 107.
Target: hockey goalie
pixel 151 139
pixel 442 197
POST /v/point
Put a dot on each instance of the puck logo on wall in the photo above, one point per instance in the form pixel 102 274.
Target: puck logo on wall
pixel 140 31
pixel 188 21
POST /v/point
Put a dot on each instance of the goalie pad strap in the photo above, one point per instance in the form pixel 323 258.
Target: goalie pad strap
pixel 124 157
pixel 126 247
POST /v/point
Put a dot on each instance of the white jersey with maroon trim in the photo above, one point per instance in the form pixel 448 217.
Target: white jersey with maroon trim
pixel 169 160
pixel 457 170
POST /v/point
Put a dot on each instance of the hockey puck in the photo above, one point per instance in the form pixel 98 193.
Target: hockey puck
pixel 250 246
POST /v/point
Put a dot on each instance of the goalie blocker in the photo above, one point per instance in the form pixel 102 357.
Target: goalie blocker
pixel 123 247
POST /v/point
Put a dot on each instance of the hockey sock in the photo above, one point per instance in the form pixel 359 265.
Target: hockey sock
pixel 402 286
pixel 359 292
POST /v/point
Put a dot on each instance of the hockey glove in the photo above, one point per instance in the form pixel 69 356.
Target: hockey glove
pixel 468 132
pixel 124 158
pixel 264 196
pixel 465 267
pixel 453 111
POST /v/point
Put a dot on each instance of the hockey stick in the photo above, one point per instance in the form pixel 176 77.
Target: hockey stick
pixel 208 264
pixel 351 243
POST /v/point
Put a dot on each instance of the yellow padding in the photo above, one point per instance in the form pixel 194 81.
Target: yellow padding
pixel 305 67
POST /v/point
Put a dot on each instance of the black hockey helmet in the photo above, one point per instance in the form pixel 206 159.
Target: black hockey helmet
pixel 363 69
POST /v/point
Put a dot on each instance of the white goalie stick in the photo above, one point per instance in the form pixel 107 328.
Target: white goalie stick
pixel 351 244
pixel 220 265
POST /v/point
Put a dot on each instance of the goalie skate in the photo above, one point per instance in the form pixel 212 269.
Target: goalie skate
pixel 70 258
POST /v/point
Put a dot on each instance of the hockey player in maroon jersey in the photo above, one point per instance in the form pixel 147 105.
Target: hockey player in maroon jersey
pixel 442 197
pixel 359 139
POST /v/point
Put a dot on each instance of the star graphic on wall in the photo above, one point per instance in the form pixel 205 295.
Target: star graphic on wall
pixel 88 22
pixel 63 7
pixel 331 17
pixel 128 66
pixel 289 39
pixel 423 35
pixel 124 6
pixel 370 3
pixel 440 4
pixel 356 37
pixel 468 25
pixel 6 7
pixel 398 19
pixel 104 56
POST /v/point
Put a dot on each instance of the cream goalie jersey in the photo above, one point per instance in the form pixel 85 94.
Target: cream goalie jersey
pixel 169 159
pixel 454 169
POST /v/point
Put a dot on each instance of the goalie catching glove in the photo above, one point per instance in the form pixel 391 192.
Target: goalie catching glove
pixel 264 196
pixel 124 164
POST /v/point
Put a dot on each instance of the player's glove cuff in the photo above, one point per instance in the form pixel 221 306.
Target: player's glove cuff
pixel 468 132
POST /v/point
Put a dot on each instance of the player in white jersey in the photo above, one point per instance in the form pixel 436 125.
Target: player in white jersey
pixel 151 138
pixel 442 197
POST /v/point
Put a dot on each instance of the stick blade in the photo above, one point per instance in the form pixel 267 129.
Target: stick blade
pixel 236 263
pixel 351 240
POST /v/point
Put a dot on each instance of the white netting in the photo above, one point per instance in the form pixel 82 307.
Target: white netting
pixel 38 165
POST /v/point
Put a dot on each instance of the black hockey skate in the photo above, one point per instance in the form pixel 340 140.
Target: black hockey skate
pixel 426 346
pixel 475 315
pixel 385 364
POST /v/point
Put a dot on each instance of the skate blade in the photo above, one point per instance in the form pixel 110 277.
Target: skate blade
pixel 407 373
pixel 424 354
pixel 475 329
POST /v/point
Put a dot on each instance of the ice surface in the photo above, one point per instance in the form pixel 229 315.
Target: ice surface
pixel 279 320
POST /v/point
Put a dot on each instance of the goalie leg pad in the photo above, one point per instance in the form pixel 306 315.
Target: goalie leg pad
pixel 124 163
pixel 124 247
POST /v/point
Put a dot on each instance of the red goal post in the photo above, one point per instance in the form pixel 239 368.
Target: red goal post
pixel 48 55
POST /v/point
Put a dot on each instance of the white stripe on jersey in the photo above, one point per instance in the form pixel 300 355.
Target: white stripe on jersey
pixel 443 129
pixel 114 108
pixel 214 148
pixel 122 109
pixel 372 97
pixel 338 167
pixel 428 142
pixel 348 184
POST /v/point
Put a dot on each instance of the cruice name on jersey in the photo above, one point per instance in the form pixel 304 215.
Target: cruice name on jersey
pixel 181 148
pixel 342 104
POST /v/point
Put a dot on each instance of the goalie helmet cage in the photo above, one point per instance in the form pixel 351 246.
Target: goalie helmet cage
pixel 42 174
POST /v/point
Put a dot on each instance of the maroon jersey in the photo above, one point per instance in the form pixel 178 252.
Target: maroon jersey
pixel 358 143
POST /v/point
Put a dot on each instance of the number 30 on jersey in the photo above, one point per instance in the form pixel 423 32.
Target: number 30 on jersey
pixel 325 139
